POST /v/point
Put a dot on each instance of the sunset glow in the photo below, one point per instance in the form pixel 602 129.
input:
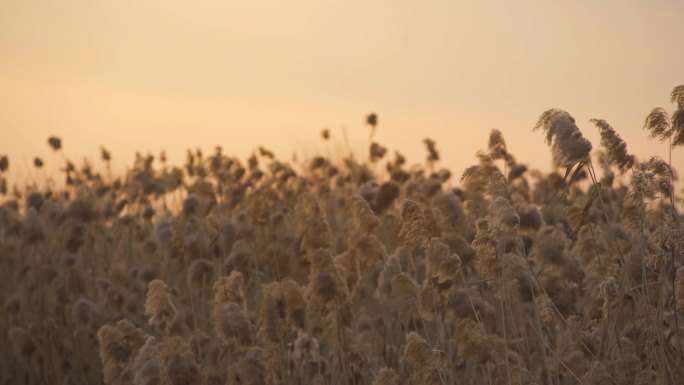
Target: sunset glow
pixel 153 75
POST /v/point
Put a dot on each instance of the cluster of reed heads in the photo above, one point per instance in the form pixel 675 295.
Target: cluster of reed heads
pixel 351 272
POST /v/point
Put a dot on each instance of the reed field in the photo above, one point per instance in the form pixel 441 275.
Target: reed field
pixel 354 269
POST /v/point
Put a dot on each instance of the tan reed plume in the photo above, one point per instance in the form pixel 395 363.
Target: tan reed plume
pixel 568 146
pixel 159 307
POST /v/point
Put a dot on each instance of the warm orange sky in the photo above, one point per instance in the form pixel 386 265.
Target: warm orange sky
pixel 146 75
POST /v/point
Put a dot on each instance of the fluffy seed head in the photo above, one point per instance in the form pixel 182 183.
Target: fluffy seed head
pixel 84 311
pixel 201 272
pixel 472 345
pixel 252 369
pixel 413 229
pixel 231 324
pixel 657 124
pixel 147 369
pixel 568 146
pixel 120 343
pixel 448 210
pixel 503 216
pixel 546 311
pixel 311 224
pixel 550 245
pixel 229 289
pixel 179 365
pixel 575 216
pixel 422 359
pixel 441 263
pixel 271 315
pixel 377 152
pixel 4 163
pixel 362 220
pixel 326 283
pixel 433 154
pixel 677 96
pixel 497 145
pixel 372 119
pixel 55 143
pixel 485 179
pixel 385 196
pixel 404 288
pixel 616 148
pixel 159 308
pixel 295 305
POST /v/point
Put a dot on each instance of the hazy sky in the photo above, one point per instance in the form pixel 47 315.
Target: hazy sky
pixel 151 75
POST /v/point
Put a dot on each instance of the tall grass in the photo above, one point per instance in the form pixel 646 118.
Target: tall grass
pixel 349 272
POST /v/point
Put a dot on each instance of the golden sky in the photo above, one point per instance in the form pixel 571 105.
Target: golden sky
pixel 151 75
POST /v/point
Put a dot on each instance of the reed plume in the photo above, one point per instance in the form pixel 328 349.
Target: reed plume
pixel 179 364
pixel 657 124
pixel 412 223
pixel 431 146
pixel 252 369
pixel 422 359
pixel 271 315
pixel 159 307
pixel 326 284
pixel 661 127
pixel 362 220
pixel 55 143
pixel 485 178
pixel 311 224
pixel 119 345
pixel 377 152
pixel 568 146
pixel 442 265
pixel 231 324
pixel 616 149
pixel 550 246
pixel 229 289
pixel 295 305
pixel 147 368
